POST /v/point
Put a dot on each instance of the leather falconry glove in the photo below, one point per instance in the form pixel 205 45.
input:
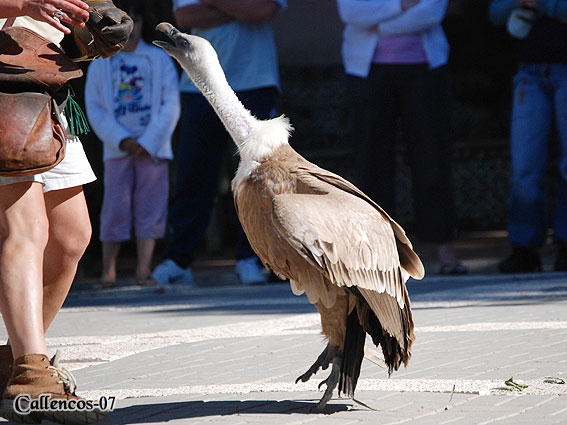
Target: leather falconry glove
pixel 105 34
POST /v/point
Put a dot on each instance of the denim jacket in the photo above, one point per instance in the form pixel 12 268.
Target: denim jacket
pixel 360 38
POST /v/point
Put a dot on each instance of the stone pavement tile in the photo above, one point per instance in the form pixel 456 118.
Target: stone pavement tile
pixel 412 408
pixel 210 362
pixel 437 355
pixel 392 408
pixel 438 314
pixel 228 410
pixel 397 408
pixel 191 377
pixel 507 409
pixel 487 355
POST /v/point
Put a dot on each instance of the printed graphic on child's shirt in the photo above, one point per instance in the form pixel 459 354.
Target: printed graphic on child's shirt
pixel 132 93
pixel 129 91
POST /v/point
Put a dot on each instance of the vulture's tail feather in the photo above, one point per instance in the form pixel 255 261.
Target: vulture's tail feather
pixel 352 356
pixel 375 311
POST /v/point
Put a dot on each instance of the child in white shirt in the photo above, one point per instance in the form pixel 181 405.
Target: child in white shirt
pixel 132 102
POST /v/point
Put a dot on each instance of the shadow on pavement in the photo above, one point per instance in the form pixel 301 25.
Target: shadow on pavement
pixel 164 412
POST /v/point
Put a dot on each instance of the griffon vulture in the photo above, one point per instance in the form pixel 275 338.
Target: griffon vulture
pixel 314 228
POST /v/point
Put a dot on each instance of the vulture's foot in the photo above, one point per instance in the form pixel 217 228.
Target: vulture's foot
pixel 322 362
pixel 332 381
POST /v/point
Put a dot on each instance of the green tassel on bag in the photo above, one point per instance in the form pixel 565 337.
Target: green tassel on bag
pixel 76 117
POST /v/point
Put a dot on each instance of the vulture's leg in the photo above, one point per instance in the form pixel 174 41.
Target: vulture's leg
pixel 322 362
pixel 332 381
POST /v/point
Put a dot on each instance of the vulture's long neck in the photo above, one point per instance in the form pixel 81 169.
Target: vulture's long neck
pixel 254 138
pixel 238 121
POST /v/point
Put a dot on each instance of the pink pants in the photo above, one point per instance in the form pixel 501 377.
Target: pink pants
pixel 136 193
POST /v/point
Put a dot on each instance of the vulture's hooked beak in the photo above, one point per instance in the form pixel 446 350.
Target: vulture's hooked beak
pixel 173 35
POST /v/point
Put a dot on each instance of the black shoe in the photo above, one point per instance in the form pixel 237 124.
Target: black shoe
pixel 522 260
pixel 560 264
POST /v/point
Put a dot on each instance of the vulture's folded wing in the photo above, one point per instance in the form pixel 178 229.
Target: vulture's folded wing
pixel 318 178
pixel 345 237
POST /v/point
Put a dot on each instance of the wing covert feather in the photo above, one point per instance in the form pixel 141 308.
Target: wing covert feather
pixel 345 237
pixel 313 176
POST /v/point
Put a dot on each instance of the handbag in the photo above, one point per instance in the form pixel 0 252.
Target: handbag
pixel 33 73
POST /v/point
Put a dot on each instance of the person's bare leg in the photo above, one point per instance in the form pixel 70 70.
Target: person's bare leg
pixel 110 252
pixel 145 252
pixel 69 234
pixel 23 238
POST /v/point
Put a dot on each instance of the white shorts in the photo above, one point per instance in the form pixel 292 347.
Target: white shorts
pixel 74 170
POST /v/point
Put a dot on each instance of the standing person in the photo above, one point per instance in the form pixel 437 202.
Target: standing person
pixel 132 102
pixel 241 33
pixel 540 97
pixel 44 230
pixel 394 54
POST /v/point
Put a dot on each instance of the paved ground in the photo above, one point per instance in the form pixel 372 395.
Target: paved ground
pixel 230 354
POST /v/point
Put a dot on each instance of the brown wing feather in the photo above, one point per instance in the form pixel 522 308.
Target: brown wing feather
pixel 344 237
pixel 313 175
pixel 254 208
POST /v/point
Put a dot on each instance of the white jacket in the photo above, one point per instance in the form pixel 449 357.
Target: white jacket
pixel 360 40
pixel 166 108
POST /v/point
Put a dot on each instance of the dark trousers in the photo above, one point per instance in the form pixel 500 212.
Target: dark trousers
pixel 418 99
pixel 203 142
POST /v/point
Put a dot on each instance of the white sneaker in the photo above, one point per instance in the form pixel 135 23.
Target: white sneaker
pixel 249 272
pixel 169 272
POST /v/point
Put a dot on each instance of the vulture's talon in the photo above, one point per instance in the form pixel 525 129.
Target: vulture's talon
pixel 319 407
pixel 322 362
pixel 332 381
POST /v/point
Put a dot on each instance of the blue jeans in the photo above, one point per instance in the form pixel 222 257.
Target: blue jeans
pixel 540 98
pixel 203 142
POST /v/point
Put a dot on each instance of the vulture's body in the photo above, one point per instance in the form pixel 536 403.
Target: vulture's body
pixel 314 228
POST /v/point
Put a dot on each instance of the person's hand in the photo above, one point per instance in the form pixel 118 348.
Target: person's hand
pixel 406 4
pixel 530 4
pixel 131 146
pixel 55 12
pixel 143 153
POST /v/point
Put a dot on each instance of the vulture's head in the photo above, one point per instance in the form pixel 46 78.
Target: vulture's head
pixel 195 54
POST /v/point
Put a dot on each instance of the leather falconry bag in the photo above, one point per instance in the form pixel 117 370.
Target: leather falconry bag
pixel 32 71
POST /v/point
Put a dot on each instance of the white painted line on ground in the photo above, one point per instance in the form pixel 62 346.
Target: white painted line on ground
pixel 498 326
pixel 481 387
pixel 84 351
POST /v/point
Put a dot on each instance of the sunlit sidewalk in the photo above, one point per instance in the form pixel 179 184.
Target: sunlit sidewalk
pixel 230 354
